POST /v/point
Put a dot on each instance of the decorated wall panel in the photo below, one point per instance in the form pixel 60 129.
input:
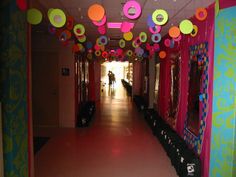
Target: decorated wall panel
pixel 222 161
pixel 13 90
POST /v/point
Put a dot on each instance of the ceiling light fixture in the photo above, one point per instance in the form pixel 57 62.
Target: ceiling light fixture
pixel 114 25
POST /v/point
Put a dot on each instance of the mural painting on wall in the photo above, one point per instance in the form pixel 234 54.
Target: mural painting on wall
pixel 197 110
pixel 174 89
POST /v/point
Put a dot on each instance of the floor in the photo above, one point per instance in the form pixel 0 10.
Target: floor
pixel 118 143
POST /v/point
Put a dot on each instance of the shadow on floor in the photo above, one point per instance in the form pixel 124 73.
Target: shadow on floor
pixel 39 142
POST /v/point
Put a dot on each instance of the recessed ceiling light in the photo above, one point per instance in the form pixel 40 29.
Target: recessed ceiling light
pixel 174 0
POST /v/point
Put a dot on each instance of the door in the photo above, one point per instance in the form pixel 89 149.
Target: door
pixel 45 89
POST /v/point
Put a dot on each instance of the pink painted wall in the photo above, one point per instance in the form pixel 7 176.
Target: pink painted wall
pixel 66 88
pixel 137 71
pixel 205 34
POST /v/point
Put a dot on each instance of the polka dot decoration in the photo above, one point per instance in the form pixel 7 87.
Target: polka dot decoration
pixel 98 53
pixel 105 54
pixel 186 26
pixel 89 45
pixel 128 36
pixel 96 12
pixel 172 43
pixel 160 17
pixel 156 29
pixel 102 29
pixel 174 32
pixel 82 38
pixel 201 14
pixel 156 38
pixel 129 53
pixel 178 38
pixel 133 6
pixel 195 31
pixel 150 22
pixel 103 40
pixel 90 56
pixel 143 37
pixel 167 42
pixel 57 18
pixel 34 16
pixel 22 4
pixel 122 43
pixel 162 54
pixel 79 30
pixel 101 22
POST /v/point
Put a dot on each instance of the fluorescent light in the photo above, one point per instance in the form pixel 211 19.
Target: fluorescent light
pixel 114 25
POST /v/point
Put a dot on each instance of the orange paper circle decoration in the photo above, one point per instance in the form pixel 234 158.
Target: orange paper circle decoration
pixel 201 14
pixel 174 32
pixel 162 54
pixel 96 12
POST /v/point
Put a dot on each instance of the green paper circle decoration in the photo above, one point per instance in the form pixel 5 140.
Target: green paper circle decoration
pixel 143 37
pixel 186 27
pixel 49 11
pixel 34 16
pixel 79 30
pixel 160 17
pixel 122 43
pixel 57 18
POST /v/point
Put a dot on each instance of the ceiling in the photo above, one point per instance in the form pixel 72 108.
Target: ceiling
pixel 177 11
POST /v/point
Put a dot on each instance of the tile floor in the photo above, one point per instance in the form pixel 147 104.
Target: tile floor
pixel 118 143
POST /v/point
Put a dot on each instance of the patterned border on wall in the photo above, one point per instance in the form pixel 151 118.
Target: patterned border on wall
pixel 13 90
pixel 223 139
pixel 196 141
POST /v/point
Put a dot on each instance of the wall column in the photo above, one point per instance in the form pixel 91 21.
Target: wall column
pixel 223 147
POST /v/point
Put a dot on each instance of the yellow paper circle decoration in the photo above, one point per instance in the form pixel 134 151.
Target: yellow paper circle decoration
pixel 128 36
pixel 195 31
pixel 160 17
pixel 57 18
pixel 34 16
pixel 186 27
pixel 97 53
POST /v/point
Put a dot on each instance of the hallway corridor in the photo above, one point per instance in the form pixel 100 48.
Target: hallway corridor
pixel 118 143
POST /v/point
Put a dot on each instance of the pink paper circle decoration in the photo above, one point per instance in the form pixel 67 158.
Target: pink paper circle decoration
pixel 156 29
pixel 102 29
pixel 101 22
pixel 132 10
pixel 167 42
pixel 178 38
pixel 156 47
